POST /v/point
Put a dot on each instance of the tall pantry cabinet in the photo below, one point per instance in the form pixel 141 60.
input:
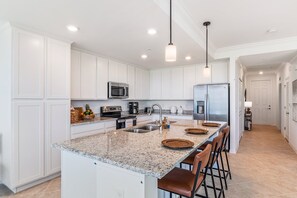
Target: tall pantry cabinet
pixel 35 106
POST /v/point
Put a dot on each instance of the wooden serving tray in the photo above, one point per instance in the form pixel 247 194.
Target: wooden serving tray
pixel 196 131
pixel 177 143
pixel 211 124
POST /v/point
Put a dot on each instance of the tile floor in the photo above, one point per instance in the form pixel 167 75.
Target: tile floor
pixel 265 166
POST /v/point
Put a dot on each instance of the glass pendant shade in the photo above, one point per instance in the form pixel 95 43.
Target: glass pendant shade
pixel 206 71
pixel 170 53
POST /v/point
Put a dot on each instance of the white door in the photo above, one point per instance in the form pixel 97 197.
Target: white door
pixel 75 75
pixel 261 96
pixel 155 84
pixel 189 81
pixel 102 78
pixel 166 83
pixel 29 141
pixel 122 73
pixel 138 85
pixel 113 71
pixel 29 63
pixel 131 81
pixel 58 70
pixel 177 83
pixel 88 76
pixel 145 84
pixel 57 129
pixel 287 111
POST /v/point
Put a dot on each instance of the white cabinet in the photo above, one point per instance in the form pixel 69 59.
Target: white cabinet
pixel 155 84
pixel 102 78
pixel 88 76
pixel 57 129
pixel 146 84
pixel 57 70
pixel 110 125
pixel 189 81
pixel 29 141
pixel 75 74
pixel 131 81
pixel 37 75
pixel 219 72
pixel 117 72
pixel 203 76
pixel 87 129
pixel 166 84
pixel 29 64
pixel 177 83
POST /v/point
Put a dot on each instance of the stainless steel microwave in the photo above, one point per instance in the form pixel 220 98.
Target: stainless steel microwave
pixel 118 90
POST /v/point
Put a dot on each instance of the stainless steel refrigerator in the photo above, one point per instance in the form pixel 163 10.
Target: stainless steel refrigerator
pixel 212 102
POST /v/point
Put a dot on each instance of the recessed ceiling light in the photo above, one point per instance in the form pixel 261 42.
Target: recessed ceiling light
pixel 271 30
pixel 144 56
pixel 72 28
pixel 260 72
pixel 152 31
pixel 188 57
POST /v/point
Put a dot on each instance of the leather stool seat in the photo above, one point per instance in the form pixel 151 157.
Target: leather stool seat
pixel 180 181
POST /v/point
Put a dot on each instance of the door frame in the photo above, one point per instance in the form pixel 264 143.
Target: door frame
pixel 272 77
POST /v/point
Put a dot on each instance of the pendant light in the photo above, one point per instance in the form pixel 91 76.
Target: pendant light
pixel 206 68
pixel 170 50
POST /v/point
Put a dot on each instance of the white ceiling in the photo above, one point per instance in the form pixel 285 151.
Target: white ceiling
pixel 267 61
pixel 118 29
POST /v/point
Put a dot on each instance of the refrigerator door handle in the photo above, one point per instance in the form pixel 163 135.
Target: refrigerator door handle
pixel 205 107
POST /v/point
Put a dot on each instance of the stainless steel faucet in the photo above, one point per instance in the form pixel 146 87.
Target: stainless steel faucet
pixel 160 113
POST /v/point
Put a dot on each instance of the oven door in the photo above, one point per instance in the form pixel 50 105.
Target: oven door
pixel 118 90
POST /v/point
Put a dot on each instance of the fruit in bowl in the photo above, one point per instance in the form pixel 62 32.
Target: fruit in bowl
pixel 88 114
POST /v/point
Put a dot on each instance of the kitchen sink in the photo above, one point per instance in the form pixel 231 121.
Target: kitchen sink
pixel 154 123
pixel 142 129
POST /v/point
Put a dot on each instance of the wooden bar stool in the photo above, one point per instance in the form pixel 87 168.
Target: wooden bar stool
pixel 184 182
pixel 216 150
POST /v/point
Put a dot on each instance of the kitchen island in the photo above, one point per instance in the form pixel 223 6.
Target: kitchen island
pixel 120 164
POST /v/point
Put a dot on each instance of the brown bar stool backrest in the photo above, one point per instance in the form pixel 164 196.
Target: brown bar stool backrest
pixel 202 158
pixel 217 142
pixel 226 132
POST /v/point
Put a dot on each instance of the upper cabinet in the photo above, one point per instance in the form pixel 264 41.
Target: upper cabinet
pixel 189 81
pixel 142 87
pixel 75 74
pixel 131 81
pixel 203 76
pixel 219 73
pixel 29 65
pixel 88 76
pixel 155 84
pixel 177 83
pixel 117 72
pixel 102 78
pixel 58 70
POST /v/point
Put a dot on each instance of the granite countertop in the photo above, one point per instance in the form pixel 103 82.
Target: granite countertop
pixel 95 120
pixel 104 119
pixel 139 152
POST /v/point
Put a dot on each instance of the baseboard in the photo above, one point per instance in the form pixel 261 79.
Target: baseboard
pixel 34 183
pixel 294 149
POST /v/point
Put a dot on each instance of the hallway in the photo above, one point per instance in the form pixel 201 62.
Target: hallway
pixel 265 166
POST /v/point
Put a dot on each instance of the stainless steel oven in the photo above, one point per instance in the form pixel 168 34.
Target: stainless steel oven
pixel 118 90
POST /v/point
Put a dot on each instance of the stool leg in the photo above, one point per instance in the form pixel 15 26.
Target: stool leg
pixel 213 183
pixel 224 174
pixel 228 166
pixel 220 176
pixel 205 188
pixel 170 195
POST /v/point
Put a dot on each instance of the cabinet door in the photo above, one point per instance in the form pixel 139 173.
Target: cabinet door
pixel 113 71
pixel 155 84
pixel 177 83
pixel 166 84
pixel 102 78
pixel 146 84
pixel 203 76
pixel 58 70
pixel 122 73
pixel 219 72
pixel 88 76
pixel 57 129
pixel 75 75
pixel 189 81
pixel 138 83
pixel 131 81
pixel 29 64
pixel 29 141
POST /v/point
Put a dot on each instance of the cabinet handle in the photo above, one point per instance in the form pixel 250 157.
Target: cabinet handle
pixel 95 163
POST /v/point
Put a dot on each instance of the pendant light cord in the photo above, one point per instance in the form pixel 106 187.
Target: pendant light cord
pixel 206 46
pixel 170 23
